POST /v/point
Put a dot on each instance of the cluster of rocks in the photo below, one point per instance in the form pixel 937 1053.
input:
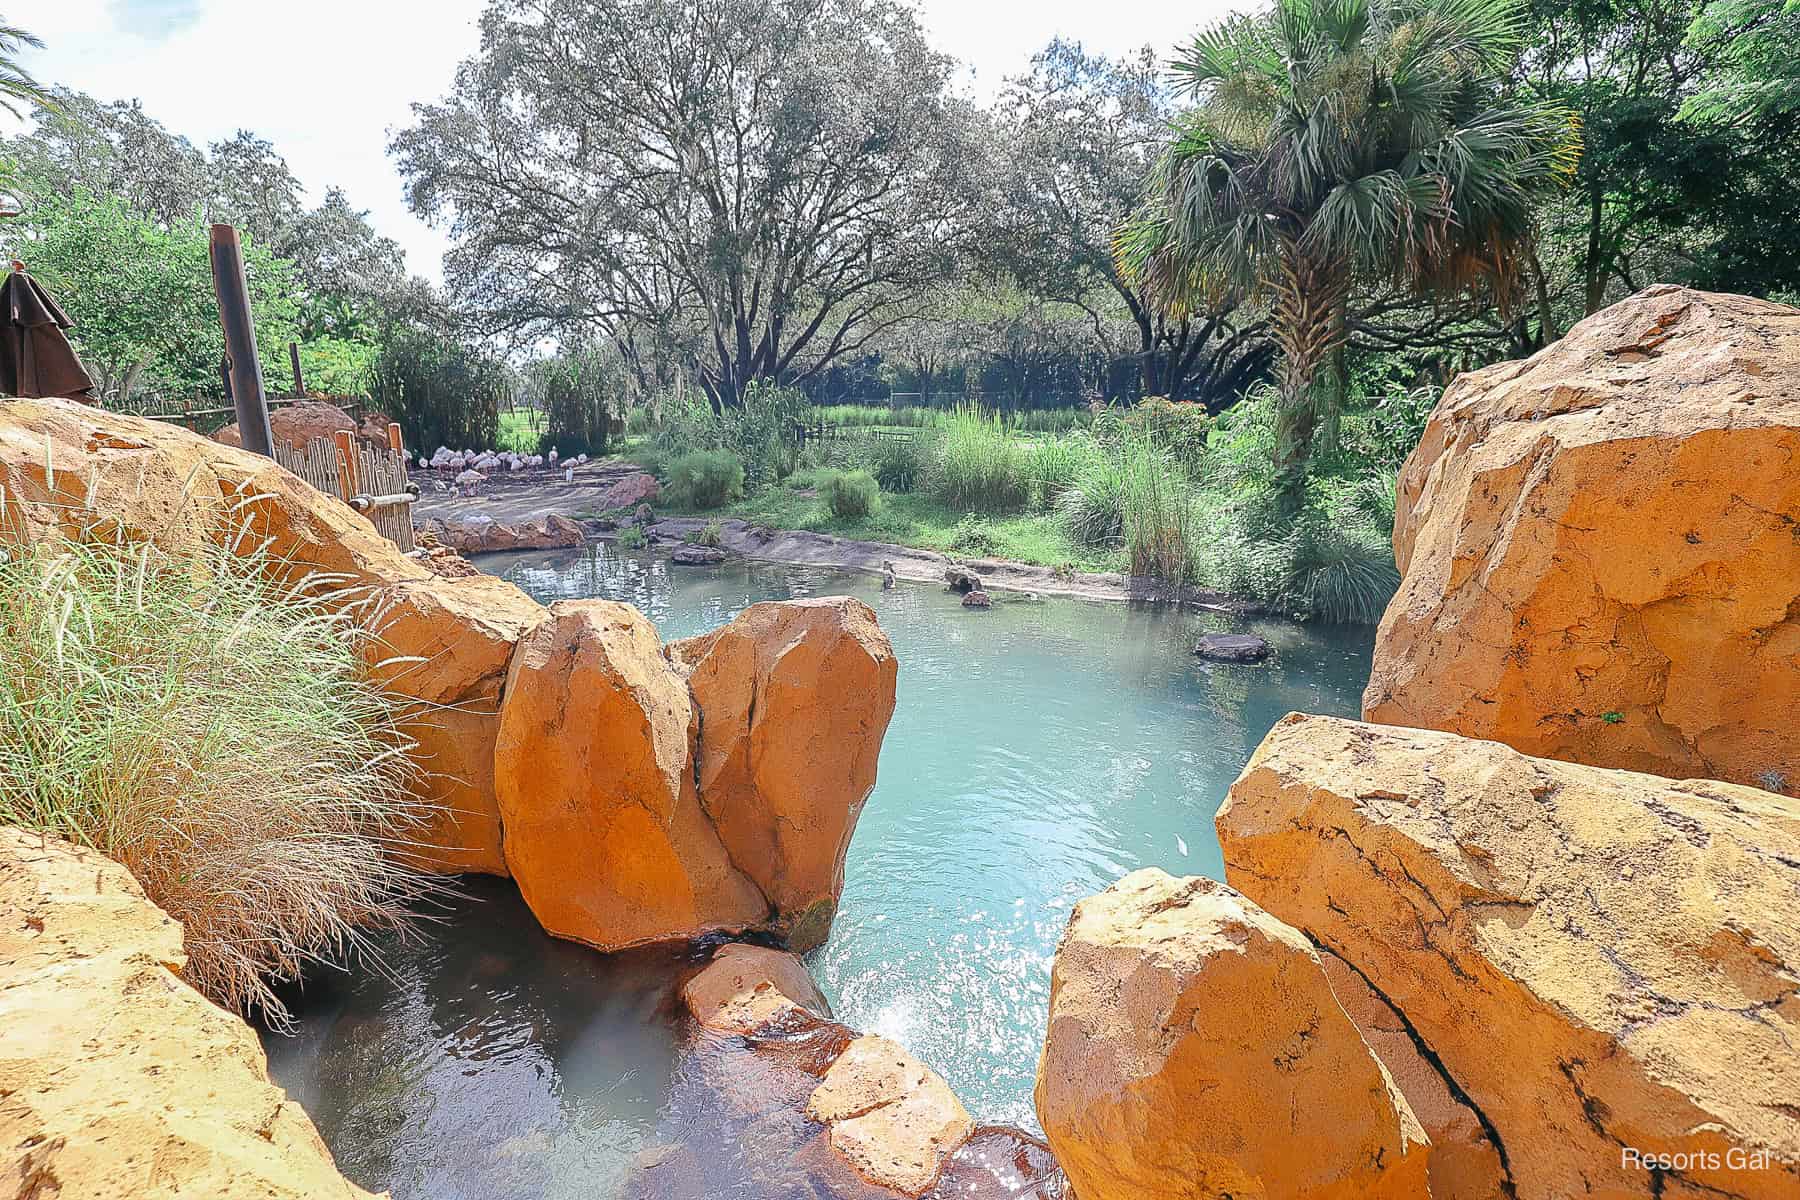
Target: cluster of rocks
pixel 966 583
pixel 796 1103
pixel 1512 969
pixel 479 533
pixel 636 792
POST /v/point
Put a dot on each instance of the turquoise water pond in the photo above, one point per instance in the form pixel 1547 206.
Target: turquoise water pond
pixel 1040 750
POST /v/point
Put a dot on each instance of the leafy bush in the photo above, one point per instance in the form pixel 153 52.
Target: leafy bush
pixel 979 464
pixel 576 390
pixel 705 479
pixel 1180 428
pixel 440 393
pixel 849 494
pixel 1324 564
pixel 761 435
pixel 973 535
pixel 711 534
pixel 215 733
pixel 897 465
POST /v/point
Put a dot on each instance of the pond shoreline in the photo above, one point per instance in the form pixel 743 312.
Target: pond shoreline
pixel 804 548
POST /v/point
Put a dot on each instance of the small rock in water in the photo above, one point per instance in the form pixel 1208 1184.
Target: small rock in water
pixel 1232 647
pixel 976 599
pixel 697 556
pixel 962 581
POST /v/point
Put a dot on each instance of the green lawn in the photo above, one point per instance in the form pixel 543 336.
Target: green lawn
pixel 923 523
pixel 520 430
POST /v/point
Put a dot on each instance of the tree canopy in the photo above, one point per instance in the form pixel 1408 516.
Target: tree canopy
pixel 759 184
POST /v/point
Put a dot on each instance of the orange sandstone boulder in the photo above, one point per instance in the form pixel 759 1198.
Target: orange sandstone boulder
pixel 1604 966
pixel 299 423
pixel 890 1116
pixel 1599 551
pixel 604 831
pixel 745 987
pixel 445 645
pixel 1195 1050
pixel 117 1080
pixel 795 698
pixel 69 469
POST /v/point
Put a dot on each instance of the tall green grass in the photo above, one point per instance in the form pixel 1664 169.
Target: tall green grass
pixel 979 464
pixel 1132 494
pixel 215 732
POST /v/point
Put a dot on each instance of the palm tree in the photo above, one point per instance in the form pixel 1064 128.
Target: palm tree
pixel 1346 143
pixel 16 83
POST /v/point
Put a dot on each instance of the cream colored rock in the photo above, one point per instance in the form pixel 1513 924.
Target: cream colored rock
pixel 745 987
pixel 1598 548
pixel 117 1080
pixel 604 832
pixel 1606 964
pixel 795 698
pixel 1195 1050
pixel 890 1116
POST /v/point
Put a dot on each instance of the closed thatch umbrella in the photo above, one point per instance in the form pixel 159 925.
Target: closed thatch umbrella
pixel 35 358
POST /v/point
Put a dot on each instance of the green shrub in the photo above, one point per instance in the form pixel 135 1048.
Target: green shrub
pixel 1179 428
pixel 761 435
pixel 974 535
pixel 1320 565
pixel 215 732
pixel 979 464
pixel 705 479
pixel 849 494
pixel 711 534
pixel 631 538
pixel 897 465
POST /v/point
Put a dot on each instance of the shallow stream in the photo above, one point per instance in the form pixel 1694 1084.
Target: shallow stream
pixel 1040 750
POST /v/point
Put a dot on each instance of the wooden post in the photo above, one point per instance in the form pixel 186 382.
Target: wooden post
pixel 243 368
pixel 395 442
pixel 347 473
pixel 294 358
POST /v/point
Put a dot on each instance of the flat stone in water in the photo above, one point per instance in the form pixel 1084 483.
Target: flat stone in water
pixel 1232 647
pixel 697 556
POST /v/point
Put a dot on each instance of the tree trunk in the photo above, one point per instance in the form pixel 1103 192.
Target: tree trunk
pixel 1310 302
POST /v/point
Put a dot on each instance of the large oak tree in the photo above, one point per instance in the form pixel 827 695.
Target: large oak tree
pixel 763 184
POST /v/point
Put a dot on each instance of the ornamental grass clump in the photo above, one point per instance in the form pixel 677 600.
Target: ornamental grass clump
pixel 980 465
pixel 215 732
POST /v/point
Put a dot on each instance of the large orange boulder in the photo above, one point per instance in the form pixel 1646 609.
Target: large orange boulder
pixel 71 468
pixel 1598 547
pixel 301 422
pixel 1195 1051
pixel 605 834
pixel 117 1080
pixel 442 644
pixel 1604 966
pixel 796 698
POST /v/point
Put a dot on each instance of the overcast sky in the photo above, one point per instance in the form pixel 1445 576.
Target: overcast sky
pixel 325 80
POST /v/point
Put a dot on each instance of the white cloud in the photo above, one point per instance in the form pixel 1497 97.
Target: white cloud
pixel 326 80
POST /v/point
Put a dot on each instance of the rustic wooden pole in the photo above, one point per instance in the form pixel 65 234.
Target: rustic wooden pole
pixel 347 456
pixel 299 382
pixel 395 442
pixel 243 368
